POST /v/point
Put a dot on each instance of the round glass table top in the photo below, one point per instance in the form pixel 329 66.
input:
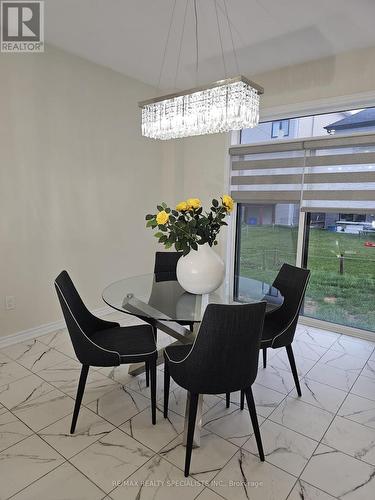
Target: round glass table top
pixel 145 296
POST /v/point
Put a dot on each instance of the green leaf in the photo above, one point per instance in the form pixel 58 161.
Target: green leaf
pixel 175 213
pixel 164 205
pixel 215 203
pixel 160 208
pixel 168 210
pixel 150 223
pixel 193 245
pixel 158 235
pixel 149 216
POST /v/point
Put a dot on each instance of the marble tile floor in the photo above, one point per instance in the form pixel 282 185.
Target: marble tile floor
pixel 318 447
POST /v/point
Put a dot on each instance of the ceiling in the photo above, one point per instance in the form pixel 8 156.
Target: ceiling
pixel 129 35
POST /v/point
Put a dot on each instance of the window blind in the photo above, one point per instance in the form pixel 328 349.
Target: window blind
pixel 322 173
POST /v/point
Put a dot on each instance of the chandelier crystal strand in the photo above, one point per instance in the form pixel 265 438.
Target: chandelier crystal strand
pixel 231 104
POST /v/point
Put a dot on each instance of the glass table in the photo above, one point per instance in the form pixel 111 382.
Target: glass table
pixel 165 305
pixel 157 300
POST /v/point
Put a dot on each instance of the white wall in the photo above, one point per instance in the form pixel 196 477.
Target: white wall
pixel 198 168
pixel 76 179
pixel 345 74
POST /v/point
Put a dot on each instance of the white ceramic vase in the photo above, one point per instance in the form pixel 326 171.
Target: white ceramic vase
pixel 200 271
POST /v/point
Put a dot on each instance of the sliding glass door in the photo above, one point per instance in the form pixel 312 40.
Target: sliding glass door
pixel 319 170
pixel 340 252
pixel 266 237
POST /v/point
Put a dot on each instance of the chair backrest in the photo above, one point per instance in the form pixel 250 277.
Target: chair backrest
pixel 224 357
pixel 292 282
pixel 165 265
pixel 81 323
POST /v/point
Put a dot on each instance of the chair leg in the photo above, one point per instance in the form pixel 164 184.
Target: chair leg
pixel 155 332
pixel 292 362
pixel 152 365
pixel 242 401
pixel 167 381
pixel 254 421
pixel 191 427
pixel 147 371
pixel 227 399
pixel 80 390
pixel 264 357
pixel 191 327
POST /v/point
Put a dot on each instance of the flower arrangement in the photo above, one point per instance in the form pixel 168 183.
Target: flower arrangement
pixel 187 226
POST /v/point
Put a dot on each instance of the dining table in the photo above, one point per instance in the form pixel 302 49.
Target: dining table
pixel 166 306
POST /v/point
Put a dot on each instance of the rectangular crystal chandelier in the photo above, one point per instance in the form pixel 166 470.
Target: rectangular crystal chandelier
pixel 231 104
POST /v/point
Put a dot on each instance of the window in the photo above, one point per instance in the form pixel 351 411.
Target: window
pixel 326 171
pixel 352 217
pixel 266 237
pixel 341 257
pixel 280 129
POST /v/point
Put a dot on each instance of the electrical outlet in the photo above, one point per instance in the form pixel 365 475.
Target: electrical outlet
pixel 10 302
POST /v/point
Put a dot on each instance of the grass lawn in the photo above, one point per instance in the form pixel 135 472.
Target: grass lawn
pixel 347 298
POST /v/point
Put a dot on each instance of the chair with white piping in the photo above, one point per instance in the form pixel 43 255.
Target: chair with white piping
pixel 103 343
pixel 280 325
pixel 223 358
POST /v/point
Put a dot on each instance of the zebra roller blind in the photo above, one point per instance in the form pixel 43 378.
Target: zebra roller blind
pixel 322 173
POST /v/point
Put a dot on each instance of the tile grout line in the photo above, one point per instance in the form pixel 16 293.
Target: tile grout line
pixel 157 453
pixel 347 393
pixel 320 442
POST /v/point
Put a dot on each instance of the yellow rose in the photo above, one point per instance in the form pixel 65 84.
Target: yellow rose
pixel 194 203
pixel 182 206
pixel 162 217
pixel 228 202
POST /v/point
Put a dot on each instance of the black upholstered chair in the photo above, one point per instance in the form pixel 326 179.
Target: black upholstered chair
pixel 165 270
pixel 103 343
pixel 165 265
pixel 223 359
pixel 280 325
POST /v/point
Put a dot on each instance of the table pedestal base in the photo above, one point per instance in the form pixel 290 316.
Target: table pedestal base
pixel 184 336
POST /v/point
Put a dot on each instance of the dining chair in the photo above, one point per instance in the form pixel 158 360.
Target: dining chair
pixel 165 270
pixel 165 266
pixel 103 343
pixel 222 359
pixel 280 325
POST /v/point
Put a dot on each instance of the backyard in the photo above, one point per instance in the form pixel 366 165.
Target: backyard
pixel 346 298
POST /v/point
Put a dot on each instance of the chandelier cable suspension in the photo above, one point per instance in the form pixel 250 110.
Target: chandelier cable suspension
pixel 221 106
pixel 180 46
pixel 221 40
pixel 231 37
pixel 196 42
pixel 166 44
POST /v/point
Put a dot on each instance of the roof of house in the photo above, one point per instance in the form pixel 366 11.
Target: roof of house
pixel 365 118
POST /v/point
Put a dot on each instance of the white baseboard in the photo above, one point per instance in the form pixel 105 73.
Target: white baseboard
pixel 40 330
